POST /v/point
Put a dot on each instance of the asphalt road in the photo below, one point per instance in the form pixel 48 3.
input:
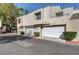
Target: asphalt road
pixel 38 47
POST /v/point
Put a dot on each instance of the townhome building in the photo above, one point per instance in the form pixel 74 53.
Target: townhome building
pixel 50 21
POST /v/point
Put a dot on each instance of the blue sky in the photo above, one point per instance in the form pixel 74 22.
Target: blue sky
pixel 34 6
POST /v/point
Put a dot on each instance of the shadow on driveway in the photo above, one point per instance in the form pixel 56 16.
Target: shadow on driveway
pixel 9 39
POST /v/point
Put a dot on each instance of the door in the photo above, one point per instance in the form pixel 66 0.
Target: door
pixel 53 31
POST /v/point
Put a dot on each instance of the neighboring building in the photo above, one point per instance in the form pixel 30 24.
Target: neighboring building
pixel 50 21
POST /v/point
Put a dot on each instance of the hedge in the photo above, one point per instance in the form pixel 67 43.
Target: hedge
pixel 36 34
pixel 69 36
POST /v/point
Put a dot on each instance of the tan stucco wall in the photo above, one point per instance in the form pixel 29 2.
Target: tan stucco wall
pixel 28 19
pixel 50 12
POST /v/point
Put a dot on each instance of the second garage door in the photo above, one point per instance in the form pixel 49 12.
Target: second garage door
pixel 52 31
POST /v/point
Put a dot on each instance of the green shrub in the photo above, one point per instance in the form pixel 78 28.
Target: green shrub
pixel 36 34
pixel 69 36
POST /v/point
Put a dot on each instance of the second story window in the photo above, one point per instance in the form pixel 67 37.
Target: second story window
pixel 38 16
pixel 59 14
pixel 19 20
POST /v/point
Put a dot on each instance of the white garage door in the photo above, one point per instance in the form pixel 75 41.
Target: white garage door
pixel 29 31
pixel 52 31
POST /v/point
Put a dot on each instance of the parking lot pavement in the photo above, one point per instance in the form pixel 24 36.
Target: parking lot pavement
pixel 23 43
pixel 31 46
pixel 38 47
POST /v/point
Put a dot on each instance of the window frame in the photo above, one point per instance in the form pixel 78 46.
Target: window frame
pixel 38 15
pixel 59 14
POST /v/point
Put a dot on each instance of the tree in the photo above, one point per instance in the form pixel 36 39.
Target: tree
pixel 22 11
pixel 8 14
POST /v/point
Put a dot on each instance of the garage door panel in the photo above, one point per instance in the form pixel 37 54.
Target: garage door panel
pixel 30 31
pixel 52 31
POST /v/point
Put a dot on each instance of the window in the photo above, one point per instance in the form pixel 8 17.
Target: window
pixel 75 16
pixel 19 20
pixel 59 14
pixel 38 16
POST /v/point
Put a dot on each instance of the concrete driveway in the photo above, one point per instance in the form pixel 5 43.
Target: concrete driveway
pixel 37 47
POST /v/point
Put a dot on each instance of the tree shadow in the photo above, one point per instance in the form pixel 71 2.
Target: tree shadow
pixel 10 39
